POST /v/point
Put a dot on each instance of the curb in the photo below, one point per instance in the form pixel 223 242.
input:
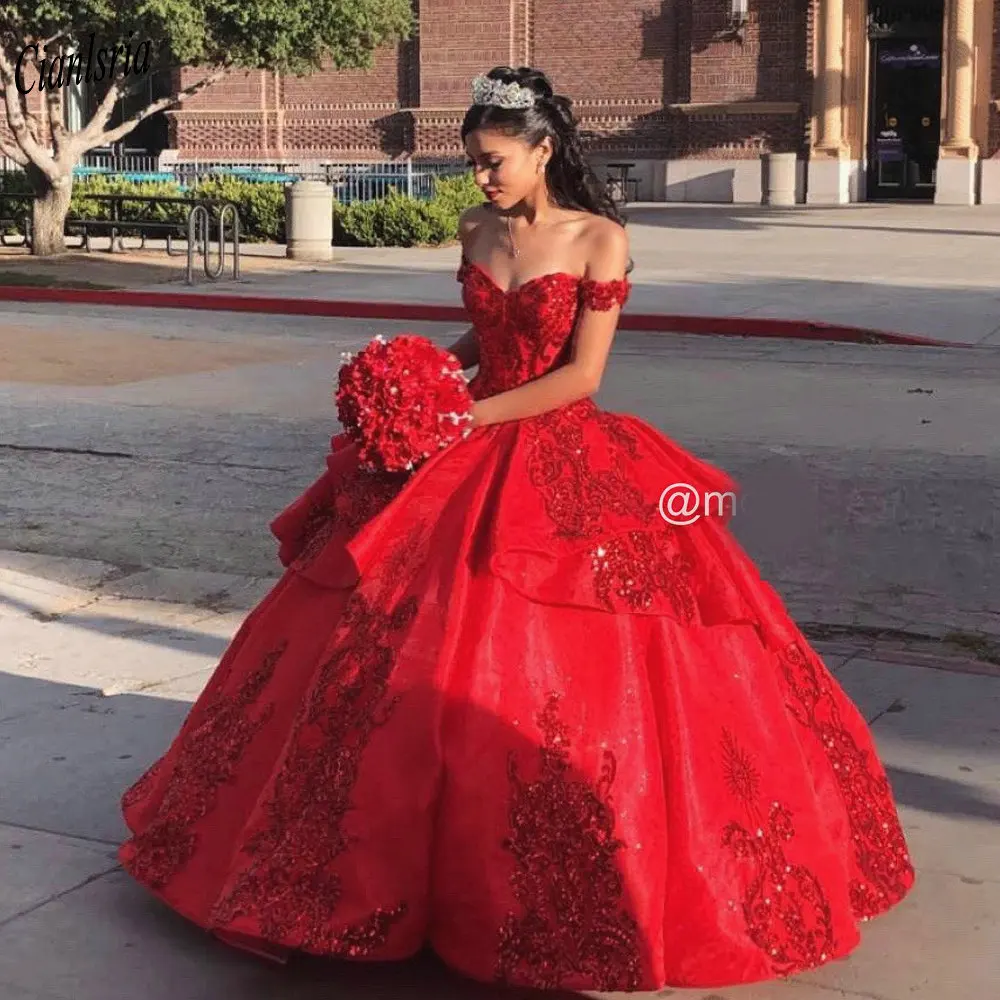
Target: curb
pixel 725 326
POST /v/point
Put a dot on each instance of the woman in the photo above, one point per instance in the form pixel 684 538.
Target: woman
pixel 501 706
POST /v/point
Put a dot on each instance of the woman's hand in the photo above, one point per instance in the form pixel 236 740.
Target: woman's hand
pixel 479 416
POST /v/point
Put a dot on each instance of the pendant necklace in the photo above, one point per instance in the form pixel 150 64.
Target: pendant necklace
pixel 510 236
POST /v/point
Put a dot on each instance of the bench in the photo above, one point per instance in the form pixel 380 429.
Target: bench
pixel 117 228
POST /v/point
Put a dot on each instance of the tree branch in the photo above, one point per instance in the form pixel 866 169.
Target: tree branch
pixel 14 153
pixel 16 120
pixel 103 138
pixel 54 103
pixel 90 135
pixel 65 33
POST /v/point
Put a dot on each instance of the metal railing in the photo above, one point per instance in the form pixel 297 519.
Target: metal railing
pixel 350 182
pixel 119 159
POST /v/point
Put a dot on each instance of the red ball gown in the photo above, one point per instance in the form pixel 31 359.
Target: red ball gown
pixel 500 707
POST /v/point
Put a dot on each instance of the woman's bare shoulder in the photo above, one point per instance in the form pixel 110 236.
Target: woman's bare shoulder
pixel 473 218
pixel 606 247
pixel 471 223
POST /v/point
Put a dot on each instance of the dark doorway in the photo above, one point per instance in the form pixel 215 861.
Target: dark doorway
pixel 904 116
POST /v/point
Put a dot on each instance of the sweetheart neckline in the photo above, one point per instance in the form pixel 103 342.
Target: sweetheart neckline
pixel 524 284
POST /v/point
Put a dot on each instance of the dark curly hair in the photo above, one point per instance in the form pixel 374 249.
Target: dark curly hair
pixel 569 176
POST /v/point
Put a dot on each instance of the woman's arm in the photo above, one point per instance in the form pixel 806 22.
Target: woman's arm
pixel 466 348
pixel 581 375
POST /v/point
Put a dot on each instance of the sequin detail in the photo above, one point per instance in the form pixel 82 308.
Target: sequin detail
pixel 880 850
pixel 290 887
pixel 580 497
pixel 632 569
pixel 210 750
pixel 604 295
pixel 524 332
pixel 785 908
pixel 639 565
pixel 572 925
pixel 355 497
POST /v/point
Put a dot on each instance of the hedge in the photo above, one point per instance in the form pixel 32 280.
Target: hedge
pixel 394 221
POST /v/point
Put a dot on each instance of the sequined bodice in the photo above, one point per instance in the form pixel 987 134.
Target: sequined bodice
pixel 525 332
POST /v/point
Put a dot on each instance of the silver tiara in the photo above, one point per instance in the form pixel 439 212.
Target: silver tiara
pixel 501 95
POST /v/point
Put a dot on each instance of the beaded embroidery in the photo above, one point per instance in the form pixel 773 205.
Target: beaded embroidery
pixel 785 908
pixel 207 759
pixel 566 880
pixel 880 850
pixel 290 886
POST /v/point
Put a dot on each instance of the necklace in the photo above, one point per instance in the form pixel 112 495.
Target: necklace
pixel 510 236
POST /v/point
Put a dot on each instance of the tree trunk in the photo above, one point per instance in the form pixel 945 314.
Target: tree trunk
pixel 48 214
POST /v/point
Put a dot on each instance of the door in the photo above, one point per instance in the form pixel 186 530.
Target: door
pixel 904 99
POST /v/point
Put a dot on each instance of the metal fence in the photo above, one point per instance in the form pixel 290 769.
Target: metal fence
pixel 350 181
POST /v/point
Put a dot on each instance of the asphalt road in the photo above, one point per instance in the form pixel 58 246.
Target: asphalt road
pixel 870 475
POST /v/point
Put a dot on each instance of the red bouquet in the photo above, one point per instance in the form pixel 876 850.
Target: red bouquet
pixel 401 401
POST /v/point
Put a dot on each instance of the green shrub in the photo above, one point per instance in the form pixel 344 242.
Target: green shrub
pixel 261 205
pixel 459 192
pixel 398 221
pixel 82 206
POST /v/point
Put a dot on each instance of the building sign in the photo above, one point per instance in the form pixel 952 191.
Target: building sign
pixel 905 56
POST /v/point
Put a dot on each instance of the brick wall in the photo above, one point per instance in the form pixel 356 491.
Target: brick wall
pixel 768 60
pixel 458 39
pixel 620 61
pixel 605 49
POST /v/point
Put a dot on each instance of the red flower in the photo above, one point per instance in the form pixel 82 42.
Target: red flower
pixel 401 401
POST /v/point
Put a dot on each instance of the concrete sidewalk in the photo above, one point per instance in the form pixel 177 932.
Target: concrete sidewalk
pixel 920 270
pixel 924 270
pixel 100 664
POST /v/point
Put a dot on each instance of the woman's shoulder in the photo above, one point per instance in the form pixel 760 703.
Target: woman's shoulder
pixel 605 246
pixel 474 217
pixel 471 222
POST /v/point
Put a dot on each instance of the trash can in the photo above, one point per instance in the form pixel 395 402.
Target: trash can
pixel 309 220
pixel 780 178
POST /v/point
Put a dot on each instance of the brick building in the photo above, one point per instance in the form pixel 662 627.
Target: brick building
pixel 895 99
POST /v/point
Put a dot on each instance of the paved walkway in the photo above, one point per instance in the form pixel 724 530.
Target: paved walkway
pixel 918 270
pixel 99 667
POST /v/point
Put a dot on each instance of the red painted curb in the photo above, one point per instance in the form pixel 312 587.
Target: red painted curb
pixel 726 326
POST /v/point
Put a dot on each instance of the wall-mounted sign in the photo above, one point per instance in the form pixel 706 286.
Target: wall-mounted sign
pixel 904 56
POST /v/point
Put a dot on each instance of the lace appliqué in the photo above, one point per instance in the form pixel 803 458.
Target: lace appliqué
pixel 880 850
pixel 631 568
pixel 572 924
pixel 785 908
pixel 290 887
pixel 355 498
pixel 524 332
pixel 207 759
pixel 579 497
pixel 634 568
pixel 604 295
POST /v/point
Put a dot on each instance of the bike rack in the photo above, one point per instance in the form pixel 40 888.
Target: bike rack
pixel 198 241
